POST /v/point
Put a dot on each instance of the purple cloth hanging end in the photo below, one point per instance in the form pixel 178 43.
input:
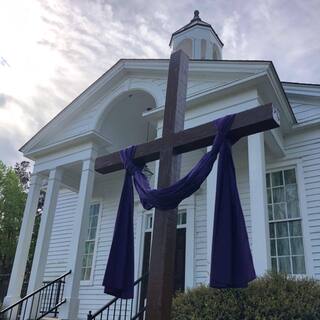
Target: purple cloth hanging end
pixel 119 275
pixel 231 260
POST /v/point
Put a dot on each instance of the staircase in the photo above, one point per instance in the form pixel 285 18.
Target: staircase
pixel 43 302
pixel 125 309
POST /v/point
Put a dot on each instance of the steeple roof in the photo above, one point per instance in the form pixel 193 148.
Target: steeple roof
pixel 195 21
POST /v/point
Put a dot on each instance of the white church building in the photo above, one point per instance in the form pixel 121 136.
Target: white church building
pixel 278 175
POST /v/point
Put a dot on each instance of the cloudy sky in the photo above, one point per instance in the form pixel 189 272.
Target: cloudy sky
pixel 50 51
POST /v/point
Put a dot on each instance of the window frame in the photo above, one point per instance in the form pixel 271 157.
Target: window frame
pixel 187 206
pixel 89 282
pixel 302 211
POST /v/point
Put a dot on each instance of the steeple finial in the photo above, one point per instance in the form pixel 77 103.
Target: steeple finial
pixel 197 39
pixel 196 16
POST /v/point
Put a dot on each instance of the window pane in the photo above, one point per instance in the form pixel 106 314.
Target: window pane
pixel 284 264
pixel 270 214
pixel 293 209
pixel 184 218
pixel 179 219
pixel 84 261
pixel 149 221
pixel 268 180
pixel 94 221
pixel 88 273
pixel 279 211
pixel 83 272
pixel 86 248
pixel 273 248
pixel 278 194
pixel 269 196
pixel 295 228
pixel 290 176
pixel 291 192
pixel 277 178
pixel 91 247
pixel 281 229
pixel 271 230
pixel 283 247
pixel 298 265
pixel 296 246
pixel 92 233
pixel 89 260
pixel 94 209
pixel 274 264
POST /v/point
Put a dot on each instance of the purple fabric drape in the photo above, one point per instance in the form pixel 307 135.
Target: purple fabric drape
pixel 231 261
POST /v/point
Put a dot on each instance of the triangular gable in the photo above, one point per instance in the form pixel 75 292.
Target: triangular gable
pixel 79 117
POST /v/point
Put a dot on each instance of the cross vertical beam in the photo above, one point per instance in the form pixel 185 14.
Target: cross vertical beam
pixel 161 273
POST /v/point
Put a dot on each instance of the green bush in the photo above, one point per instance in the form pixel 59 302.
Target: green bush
pixel 272 297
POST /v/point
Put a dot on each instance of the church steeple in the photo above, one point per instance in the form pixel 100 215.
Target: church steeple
pixel 198 39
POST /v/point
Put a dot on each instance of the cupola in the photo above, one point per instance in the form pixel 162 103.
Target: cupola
pixel 198 40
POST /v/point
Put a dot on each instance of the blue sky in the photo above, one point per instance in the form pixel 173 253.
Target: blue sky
pixel 50 51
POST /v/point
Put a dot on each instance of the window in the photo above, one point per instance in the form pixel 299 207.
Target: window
pixel 203 48
pixel 149 222
pixel 181 220
pixel 180 254
pixel 186 46
pixel 90 242
pixel 286 240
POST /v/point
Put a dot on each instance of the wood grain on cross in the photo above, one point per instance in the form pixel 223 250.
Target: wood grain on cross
pixel 168 148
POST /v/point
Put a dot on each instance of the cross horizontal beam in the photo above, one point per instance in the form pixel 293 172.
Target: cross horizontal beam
pixel 261 118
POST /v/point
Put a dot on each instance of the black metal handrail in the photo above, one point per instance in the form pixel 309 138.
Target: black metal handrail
pixel 140 314
pixel 118 308
pixel 44 300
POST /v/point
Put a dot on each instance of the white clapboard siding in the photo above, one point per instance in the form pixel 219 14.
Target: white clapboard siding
pixel 306 149
pixel 200 238
pixel 306 111
pixel 61 235
pixel 244 193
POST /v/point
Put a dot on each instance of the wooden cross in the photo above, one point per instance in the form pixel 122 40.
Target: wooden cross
pixel 168 149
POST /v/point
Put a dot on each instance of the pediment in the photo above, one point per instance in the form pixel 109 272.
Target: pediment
pixel 81 117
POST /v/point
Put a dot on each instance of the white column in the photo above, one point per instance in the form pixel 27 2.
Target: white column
pixel 22 251
pixel 211 200
pixel 69 310
pixel 47 217
pixel 258 203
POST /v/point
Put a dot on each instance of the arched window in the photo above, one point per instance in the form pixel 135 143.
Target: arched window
pixel 186 46
pixel 216 54
pixel 203 48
